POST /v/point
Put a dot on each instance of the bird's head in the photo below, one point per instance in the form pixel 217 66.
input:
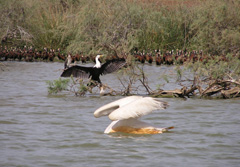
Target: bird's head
pixel 99 56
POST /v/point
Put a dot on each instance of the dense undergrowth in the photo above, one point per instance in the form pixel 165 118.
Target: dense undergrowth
pixel 117 27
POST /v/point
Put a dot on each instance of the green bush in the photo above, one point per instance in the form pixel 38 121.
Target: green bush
pixel 215 69
pixel 216 27
pixel 57 86
pixel 117 27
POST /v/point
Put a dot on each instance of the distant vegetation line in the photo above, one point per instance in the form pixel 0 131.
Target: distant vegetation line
pixel 122 27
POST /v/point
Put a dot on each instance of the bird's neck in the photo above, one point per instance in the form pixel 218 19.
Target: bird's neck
pixel 98 64
pixel 69 61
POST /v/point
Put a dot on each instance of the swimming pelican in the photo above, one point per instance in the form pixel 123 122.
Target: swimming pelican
pixel 125 113
pixel 95 71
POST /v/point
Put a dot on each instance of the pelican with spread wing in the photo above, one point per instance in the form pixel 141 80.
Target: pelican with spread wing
pixel 125 114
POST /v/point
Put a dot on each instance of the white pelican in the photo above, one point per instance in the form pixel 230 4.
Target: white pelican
pixel 95 71
pixel 125 113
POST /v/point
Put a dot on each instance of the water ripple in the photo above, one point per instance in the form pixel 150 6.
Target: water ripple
pixel 38 129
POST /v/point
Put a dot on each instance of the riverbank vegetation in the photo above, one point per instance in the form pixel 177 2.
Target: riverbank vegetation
pixel 210 28
pixel 118 27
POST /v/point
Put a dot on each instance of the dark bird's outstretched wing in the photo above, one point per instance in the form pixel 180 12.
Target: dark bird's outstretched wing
pixel 78 72
pixel 92 72
pixel 112 65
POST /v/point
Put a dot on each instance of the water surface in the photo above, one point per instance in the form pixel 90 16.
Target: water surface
pixel 37 129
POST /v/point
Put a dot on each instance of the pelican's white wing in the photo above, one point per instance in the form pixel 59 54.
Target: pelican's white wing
pixel 137 108
pixel 110 107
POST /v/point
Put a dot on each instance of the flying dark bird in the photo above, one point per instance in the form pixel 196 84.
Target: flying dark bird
pixel 95 71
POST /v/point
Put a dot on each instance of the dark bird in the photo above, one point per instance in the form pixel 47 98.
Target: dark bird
pixel 95 71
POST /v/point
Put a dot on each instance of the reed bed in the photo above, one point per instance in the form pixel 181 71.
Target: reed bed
pixel 120 27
